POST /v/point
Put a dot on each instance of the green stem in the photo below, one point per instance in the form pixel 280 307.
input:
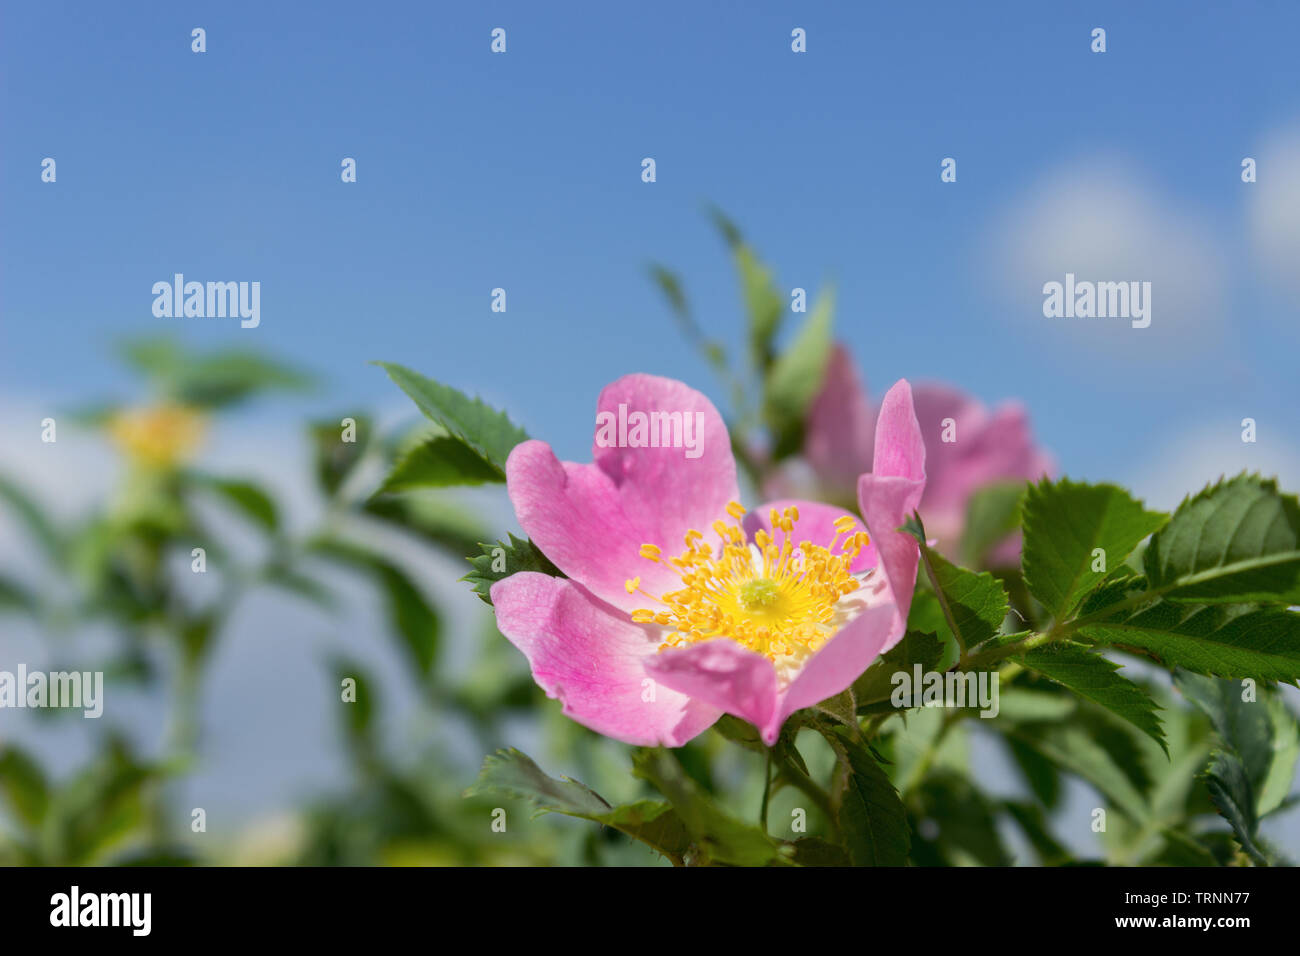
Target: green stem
pixel 994 654
pixel 805 784
pixel 767 789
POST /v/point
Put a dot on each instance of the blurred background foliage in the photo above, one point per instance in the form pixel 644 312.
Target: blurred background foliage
pixel 130 568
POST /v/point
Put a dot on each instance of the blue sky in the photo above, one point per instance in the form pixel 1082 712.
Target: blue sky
pixel 522 171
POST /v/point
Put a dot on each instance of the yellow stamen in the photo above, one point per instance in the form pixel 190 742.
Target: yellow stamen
pixel 780 603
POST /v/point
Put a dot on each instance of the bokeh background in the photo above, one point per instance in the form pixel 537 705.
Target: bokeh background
pixel 522 171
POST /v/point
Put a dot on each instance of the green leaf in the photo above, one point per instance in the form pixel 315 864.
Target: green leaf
pixel 1235 542
pixel 876 685
pixel 211 379
pixel 764 304
pixel 730 231
pixel 1073 749
pixel 841 708
pixel 513 773
pixel 1181 849
pixel 281 575
pixel 1244 726
pixel 196 634
pixel 1065 525
pixel 797 374
pixel 1041 775
pixel 102 806
pixel 23 784
pixel 973 603
pixel 1230 789
pixel 671 286
pixel 414 618
pixel 247 497
pixel 440 521
pixel 14 596
pixel 870 815
pixel 440 462
pixel 964 818
pixel 1276 786
pixel 1261 732
pixel 814 851
pixel 358 715
pixel 716 836
pixel 652 822
pixel 1094 677
pixel 29 513
pixel 1033 824
pixel 1022 704
pixel 486 431
pixel 740 732
pixel 1220 640
pixel 502 560
pixel 926 617
pixel 335 459
pixel 1124 586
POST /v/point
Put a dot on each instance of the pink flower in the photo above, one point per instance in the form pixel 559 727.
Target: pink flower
pixel 788 608
pixel 982 447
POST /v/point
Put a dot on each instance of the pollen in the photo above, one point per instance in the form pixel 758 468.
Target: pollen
pixel 783 602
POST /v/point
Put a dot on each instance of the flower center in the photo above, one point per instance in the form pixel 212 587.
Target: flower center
pixel 781 602
pixel 758 594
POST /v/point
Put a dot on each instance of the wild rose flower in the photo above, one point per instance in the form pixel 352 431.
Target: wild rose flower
pixel 988 447
pixel 158 436
pixel 659 628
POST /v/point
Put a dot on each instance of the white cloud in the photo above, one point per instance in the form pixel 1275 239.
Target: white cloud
pixel 1187 463
pixel 1098 220
pixel 1274 211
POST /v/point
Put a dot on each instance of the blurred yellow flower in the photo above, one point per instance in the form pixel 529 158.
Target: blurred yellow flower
pixel 158 436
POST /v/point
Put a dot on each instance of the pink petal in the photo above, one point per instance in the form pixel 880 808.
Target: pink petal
pixel 592 659
pixel 900 446
pixel 947 487
pixel 889 495
pixel 591 520
pixel 887 502
pixel 987 448
pixel 721 674
pixel 838 664
pixel 840 426
pixel 1005 448
pixel 725 675
pixel 816 524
